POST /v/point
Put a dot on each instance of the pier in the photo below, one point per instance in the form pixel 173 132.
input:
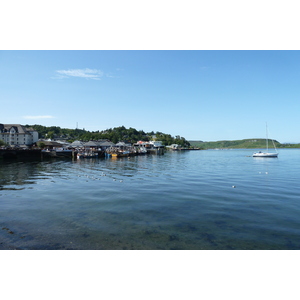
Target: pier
pixel 63 153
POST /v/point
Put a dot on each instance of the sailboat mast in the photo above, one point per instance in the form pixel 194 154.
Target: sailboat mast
pixel 267 154
pixel 267 137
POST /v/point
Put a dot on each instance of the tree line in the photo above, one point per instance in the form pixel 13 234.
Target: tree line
pixel 115 135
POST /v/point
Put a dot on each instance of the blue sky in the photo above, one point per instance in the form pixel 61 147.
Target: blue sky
pixel 200 95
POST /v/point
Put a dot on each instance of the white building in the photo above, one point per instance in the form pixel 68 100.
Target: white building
pixel 18 135
pixel 151 144
pixel 156 144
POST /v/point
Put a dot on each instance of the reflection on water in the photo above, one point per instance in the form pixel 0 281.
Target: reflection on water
pixel 182 200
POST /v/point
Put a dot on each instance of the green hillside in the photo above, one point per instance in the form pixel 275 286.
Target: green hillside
pixel 240 144
pixel 113 134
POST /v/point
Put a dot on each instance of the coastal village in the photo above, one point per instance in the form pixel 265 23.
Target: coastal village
pixel 21 141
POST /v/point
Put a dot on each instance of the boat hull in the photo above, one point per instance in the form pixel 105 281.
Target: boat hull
pixel 265 154
pixel 87 155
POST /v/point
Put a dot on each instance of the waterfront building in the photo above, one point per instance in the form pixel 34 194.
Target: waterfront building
pixel 18 135
pixel 76 144
pixel 151 144
pixel 174 147
pixel 105 144
pixel 156 144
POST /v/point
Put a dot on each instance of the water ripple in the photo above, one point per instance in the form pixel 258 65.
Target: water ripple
pixel 185 200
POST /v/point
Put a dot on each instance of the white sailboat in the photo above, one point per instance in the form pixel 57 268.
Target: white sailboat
pixel 267 153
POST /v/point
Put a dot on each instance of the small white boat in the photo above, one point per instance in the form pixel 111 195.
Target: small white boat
pixel 267 153
pixel 87 155
pixel 142 150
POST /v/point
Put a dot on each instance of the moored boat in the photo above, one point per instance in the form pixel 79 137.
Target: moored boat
pixel 267 153
pixel 87 155
pixel 264 154
pixel 120 153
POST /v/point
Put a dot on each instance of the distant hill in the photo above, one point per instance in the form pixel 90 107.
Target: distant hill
pixel 240 144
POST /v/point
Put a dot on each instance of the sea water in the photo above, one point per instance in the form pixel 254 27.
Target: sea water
pixel 208 199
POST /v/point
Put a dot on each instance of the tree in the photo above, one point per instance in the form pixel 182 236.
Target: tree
pixel 50 134
pixel 41 145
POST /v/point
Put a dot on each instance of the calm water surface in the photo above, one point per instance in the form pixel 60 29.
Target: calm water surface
pixel 210 199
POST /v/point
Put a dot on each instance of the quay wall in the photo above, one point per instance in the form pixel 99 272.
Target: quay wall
pixel 20 154
pixel 39 154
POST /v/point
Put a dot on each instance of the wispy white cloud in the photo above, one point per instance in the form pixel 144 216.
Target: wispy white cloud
pixel 81 73
pixel 38 117
pixel 110 75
